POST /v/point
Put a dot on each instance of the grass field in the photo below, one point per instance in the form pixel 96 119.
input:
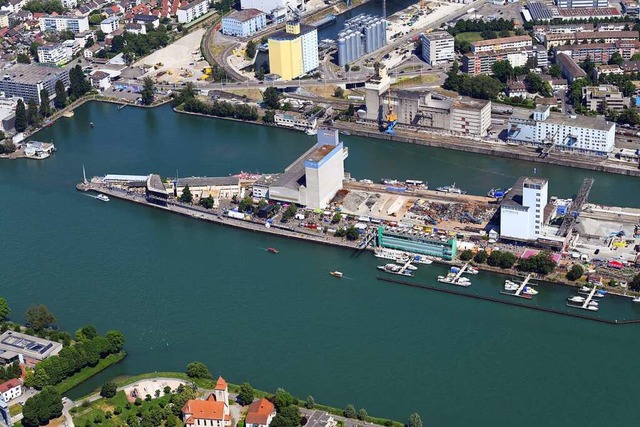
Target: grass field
pixel 426 79
pixel 473 36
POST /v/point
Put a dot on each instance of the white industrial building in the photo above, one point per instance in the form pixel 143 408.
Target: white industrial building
pixel 315 177
pixel 582 3
pixel 522 211
pixel 243 23
pixel 63 22
pixel 437 47
pixel 110 24
pixel 56 54
pixel 192 11
pixel 276 9
pixel 588 135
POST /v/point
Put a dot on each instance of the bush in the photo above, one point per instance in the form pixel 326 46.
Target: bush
pixel 108 390
pixel 575 273
pixel 466 255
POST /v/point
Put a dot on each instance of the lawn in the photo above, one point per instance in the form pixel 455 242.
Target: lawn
pixel 470 37
pixel 425 79
pixel 15 409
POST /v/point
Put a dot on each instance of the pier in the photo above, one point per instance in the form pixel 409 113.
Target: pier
pixel 505 302
pixel 405 266
pixel 586 305
pixel 518 293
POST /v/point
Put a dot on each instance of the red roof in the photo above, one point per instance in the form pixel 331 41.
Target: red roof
pixel 259 412
pixel 203 410
pixel 8 385
pixel 221 384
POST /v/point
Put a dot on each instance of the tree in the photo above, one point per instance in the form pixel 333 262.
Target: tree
pixel 502 70
pixel 575 272
pixel 148 91
pixel 100 35
pixel 289 416
pixel 635 283
pixel 109 389
pixel 117 44
pixel 336 218
pixel 282 399
pixel 271 98
pixel 4 309
pixel 198 370
pixel 42 407
pixel 246 394
pixel 88 332
pixel 206 202
pixel 21 117
pixel 310 403
pixel 45 103
pixel 555 71
pixel 23 58
pixel 39 317
pixel 33 116
pixel 616 59
pixel 290 212
pixel 349 411
pixel 480 257
pixel 250 51
pixel 269 116
pixel 339 92
pixel 535 84
pixel 414 420
pixel 541 263
pixel 60 101
pixel 116 340
pixel 635 57
pixel 188 92
pixel 79 85
pixel 362 414
pixel 186 196
pixel 466 255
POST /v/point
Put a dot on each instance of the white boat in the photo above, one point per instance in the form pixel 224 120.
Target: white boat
pixel 592 308
pixel 311 131
pixel 394 269
pixel 576 298
pixel 451 189
pixel 636 299
pixel 593 303
pixel 510 286
pixel 471 270
pixel 337 274
pixel 585 289
pixel 400 257
pixel 529 291
pixel 102 197
pixel 409 267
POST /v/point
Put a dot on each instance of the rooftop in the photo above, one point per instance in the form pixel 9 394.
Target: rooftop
pixel 580 121
pixel 588 12
pixel 493 42
pixel 203 410
pixel 208 181
pixel 221 384
pixel 31 73
pixel 244 14
pixel 283 35
pixel 8 385
pixel 569 65
pixel 27 345
pixel 438 35
pixel 259 412
pixel 191 4
pixel 320 153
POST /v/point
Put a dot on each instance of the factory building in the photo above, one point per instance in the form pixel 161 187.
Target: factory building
pixel 570 4
pixel 244 23
pixel 437 47
pixel 587 135
pixel 315 177
pixel 362 34
pixel 27 80
pixel 430 110
pixel 374 88
pixel 294 51
pixel 522 211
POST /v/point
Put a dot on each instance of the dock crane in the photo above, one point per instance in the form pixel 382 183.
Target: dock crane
pixel 551 142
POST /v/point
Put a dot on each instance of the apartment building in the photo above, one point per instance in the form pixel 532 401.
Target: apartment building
pixel 515 42
pixel 603 98
pixel 437 47
pixel 74 24
pixel 192 11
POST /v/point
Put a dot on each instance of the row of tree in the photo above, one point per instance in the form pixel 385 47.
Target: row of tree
pixel 541 263
pixel 42 407
pixel 478 25
pixel 87 352
pixel 222 109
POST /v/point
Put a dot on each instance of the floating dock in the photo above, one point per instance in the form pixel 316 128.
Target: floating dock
pixel 586 305
pixel 518 293
pixel 455 280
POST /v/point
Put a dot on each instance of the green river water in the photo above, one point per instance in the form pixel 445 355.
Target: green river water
pixel 182 290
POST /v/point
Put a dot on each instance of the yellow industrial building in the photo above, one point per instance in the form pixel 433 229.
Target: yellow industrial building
pixel 294 51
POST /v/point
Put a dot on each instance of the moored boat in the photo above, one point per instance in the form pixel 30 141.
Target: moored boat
pixel 636 299
pixel 394 269
pixel 451 189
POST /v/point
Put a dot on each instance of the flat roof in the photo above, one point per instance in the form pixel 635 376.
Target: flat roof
pixel 283 35
pixel 514 197
pixel 438 35
pixel 195 181
pixel 244 14
pixel 493 42
pixel 31 73
pixel 321 153
pixel 116 177
pixel 27 345
pixel 587 122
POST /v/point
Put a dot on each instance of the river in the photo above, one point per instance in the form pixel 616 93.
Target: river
pixel 182 290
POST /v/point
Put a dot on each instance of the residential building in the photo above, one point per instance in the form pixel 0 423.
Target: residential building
pixel 552 40
pixel 543 30
pixel 74 24
pixel 27 80
pixel 100 80
pixel 630 7
pixel 260 413
pixel 90 52
pixel 135 28
pixel 110 24
pixel 294 51
pixel 605 70
pixel 482 62
pixel 27 348
pixel 53 53
pixel 631 67
pixel 4 18
pixel 146 19
pixel 11 389
pixel 515 42
pixel 582 3
pixel 273 8
pixel 361 35
pixel 516 88
pixel 315 177
pixel 437 47
pixel 587 135
pixel 5 416
pixel 192 11
pixel 604 97
pixel 540 55
pixel 522 210
pixel 244 23
pixel 570 69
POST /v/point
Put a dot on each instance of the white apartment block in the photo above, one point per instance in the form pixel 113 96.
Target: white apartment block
pixel 56 54
pixel 62 22
pixel 110 25
pixel 588 135
pixel 515 42
pixel 243 23
pixel 437 47
pixel 522 218
pixel 309 50
pixel 192 11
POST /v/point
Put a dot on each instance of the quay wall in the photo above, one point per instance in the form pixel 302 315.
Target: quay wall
pixel 482 148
